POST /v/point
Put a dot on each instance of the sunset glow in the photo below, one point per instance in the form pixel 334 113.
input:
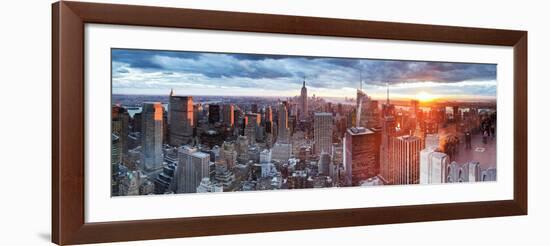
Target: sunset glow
pixel 153 72
pixel 254 122
pixel 425 96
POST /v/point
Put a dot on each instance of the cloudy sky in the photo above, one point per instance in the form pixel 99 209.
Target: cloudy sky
pixel 199 73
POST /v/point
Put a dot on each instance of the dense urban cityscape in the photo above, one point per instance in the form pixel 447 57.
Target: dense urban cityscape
pixel 181 143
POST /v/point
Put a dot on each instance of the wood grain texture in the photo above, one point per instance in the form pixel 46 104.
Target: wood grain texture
pixel 520 122
pixel 250 22
pixel 68 19
pixel 55 123
pixel 68 125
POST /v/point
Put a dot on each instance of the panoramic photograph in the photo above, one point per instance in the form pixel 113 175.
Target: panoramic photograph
pixel 198 122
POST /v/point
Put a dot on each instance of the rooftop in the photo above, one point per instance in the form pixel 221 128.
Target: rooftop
pixel 323 114
pixel 201 154
pixel 408 138
pixel 359 131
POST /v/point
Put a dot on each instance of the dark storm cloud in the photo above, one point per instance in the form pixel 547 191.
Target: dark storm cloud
pixel 342 62
pixel 143 58
pixel 319 72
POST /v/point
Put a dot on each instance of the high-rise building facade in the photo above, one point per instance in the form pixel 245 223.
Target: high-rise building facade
pixel 268 114
pixel 228 115
pixel 283 132
pixel 151 135
pixel 120 126
pixel 433 166
pixel 361 107
pixel 322 133
pixel 361 154
pixel 116 156
pixel 242 149
pixel 405 159
pixel 193 166
pixel 388 132
pixel 265 156
pixel 251 127
pixel 414 109
pixel 281 151
pixel 324 163
pixel 489 174
pixel 228 154
pixel 214 113
pixel 181 117
pixel 119 130
pixel 467 172
pixel 303 102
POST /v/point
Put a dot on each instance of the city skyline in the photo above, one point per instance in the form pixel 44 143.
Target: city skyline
pixel 177 142
pixel 151 72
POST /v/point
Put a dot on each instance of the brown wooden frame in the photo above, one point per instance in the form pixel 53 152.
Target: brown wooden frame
pixel 68 224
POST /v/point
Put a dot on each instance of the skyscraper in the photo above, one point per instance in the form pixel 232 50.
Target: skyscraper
pixel 432 166
pixel 283 133
pixel 265 156
pixel 213 113
pixel 361 154
pixel 120 127
pixel 281 151
pixel 388 132
pixel 228 154
pixel 322 133
pixel 467 172
pixel 251 127
pixel 181 117
pixel 242 149
pixel 324 163
pixel 268 114
pixel 361 101
pixel 303 102
pixel 254 108
pixel 228 115
pixel 405 159
pixel 116 156
pixel 269 131
pixel 151 135
pixel 414 109
pixel 193 166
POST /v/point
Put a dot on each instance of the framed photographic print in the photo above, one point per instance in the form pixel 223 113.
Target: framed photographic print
pixel 175 122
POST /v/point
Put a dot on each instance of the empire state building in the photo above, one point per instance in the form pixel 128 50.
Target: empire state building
pixel 303 102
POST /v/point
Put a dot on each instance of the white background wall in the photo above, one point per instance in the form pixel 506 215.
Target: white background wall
pixel 25 136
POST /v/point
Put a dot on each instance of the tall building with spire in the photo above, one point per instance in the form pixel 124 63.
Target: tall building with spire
pixel 388 133
pixel 303 101
pixel 181 119
pixel 387 108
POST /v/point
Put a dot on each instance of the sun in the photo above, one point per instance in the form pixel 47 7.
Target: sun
pixel 425 96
